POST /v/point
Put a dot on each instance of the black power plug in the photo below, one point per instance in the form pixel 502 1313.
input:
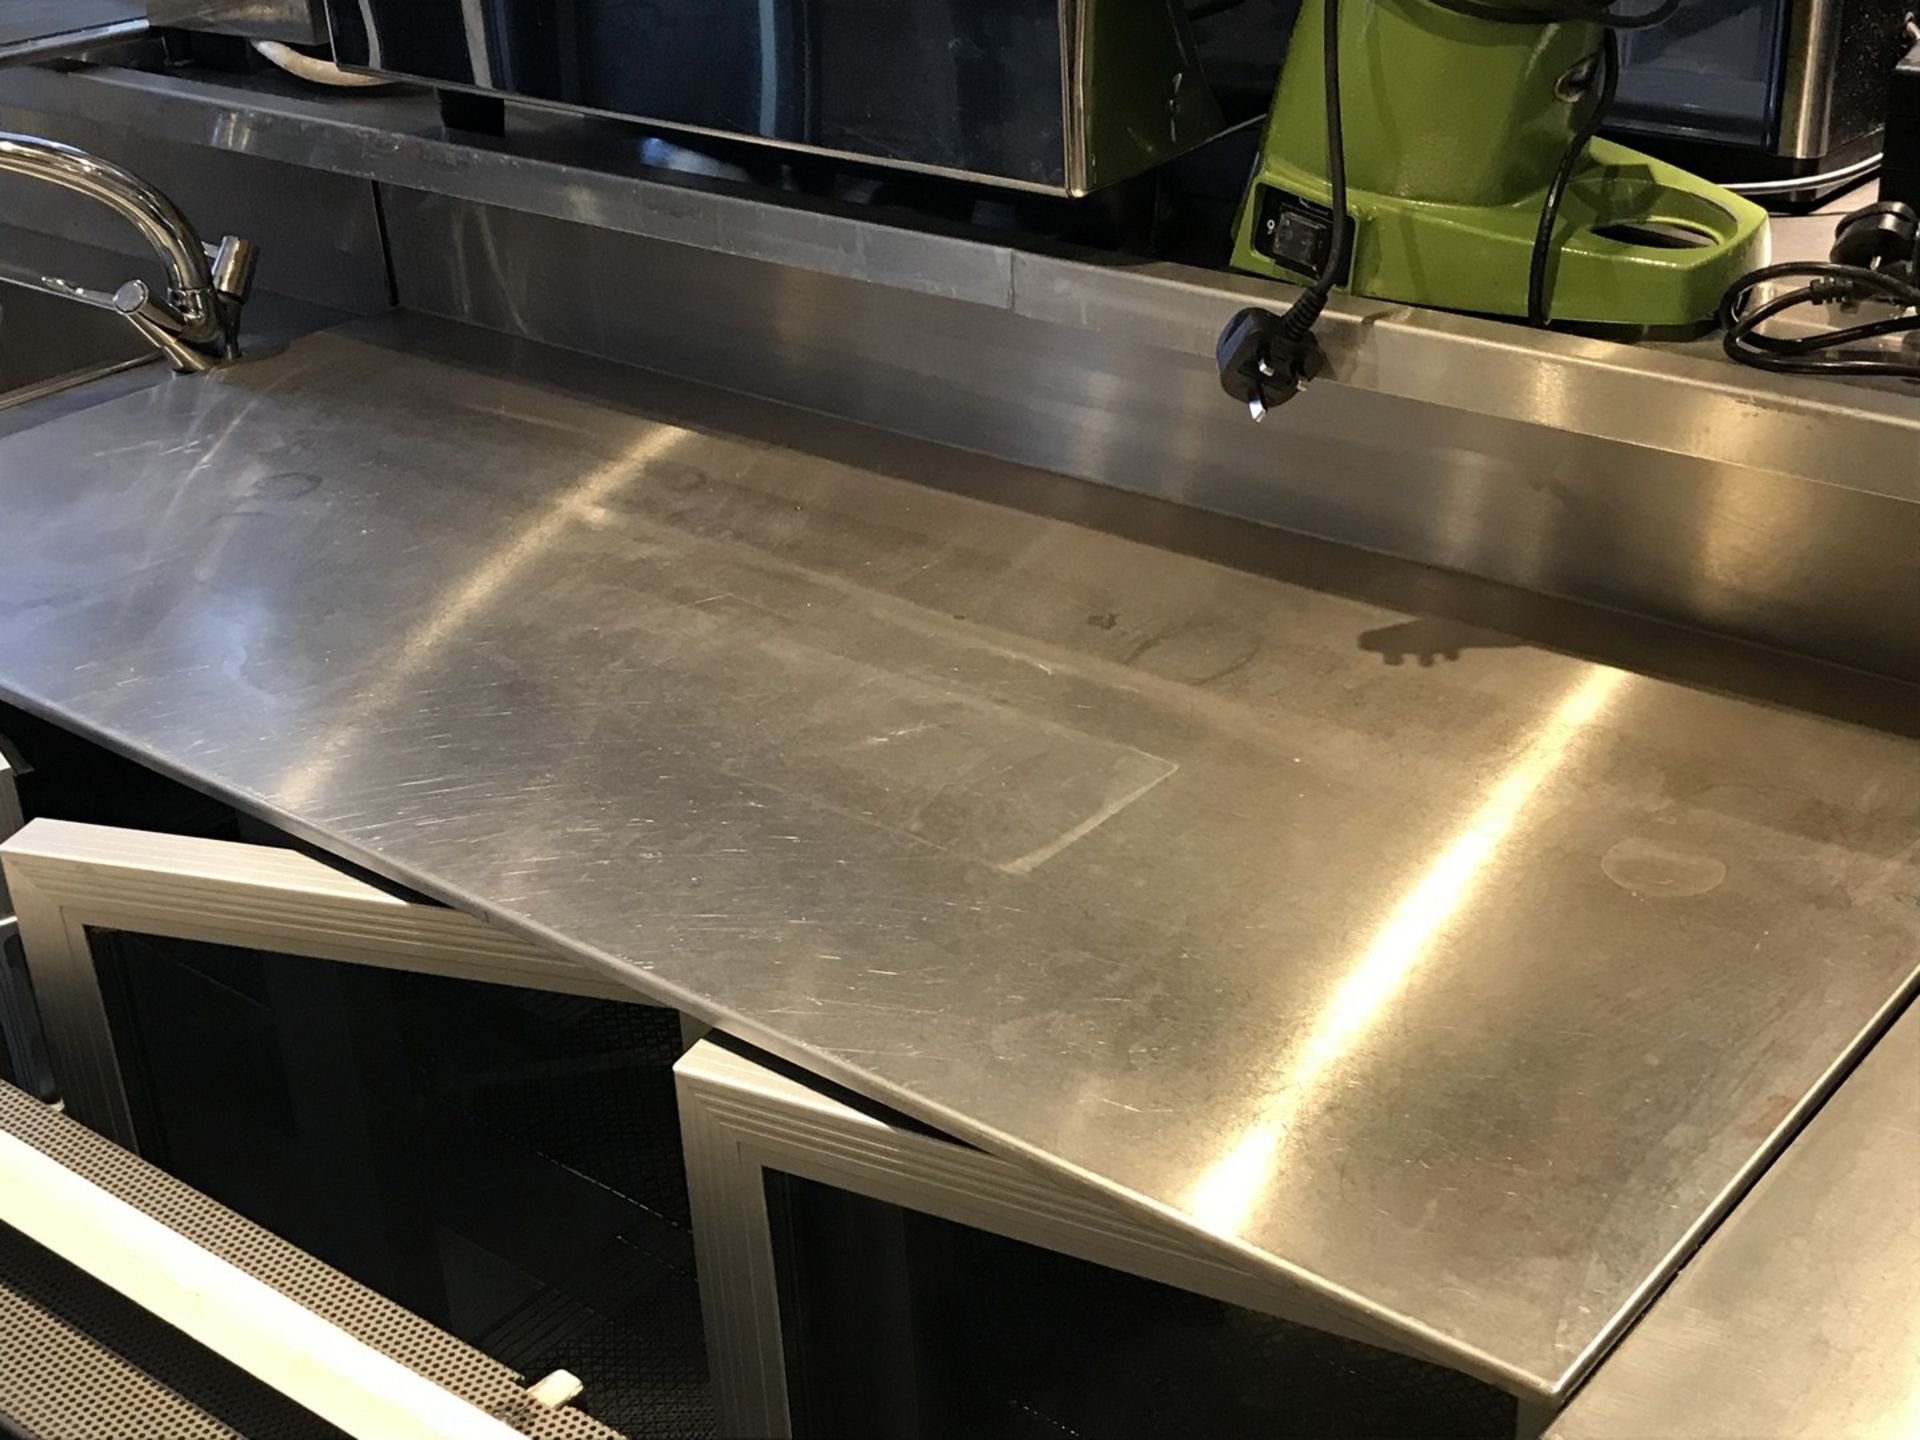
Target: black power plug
pixel 1266 359
pixel 1884 236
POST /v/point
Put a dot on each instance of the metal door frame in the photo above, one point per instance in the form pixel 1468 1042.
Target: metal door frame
pixel 740 1118
pixel 20 1037
pixel 68 879
pixel 11 816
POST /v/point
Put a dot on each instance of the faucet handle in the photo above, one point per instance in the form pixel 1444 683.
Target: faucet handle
pixel 162 326
pixel 234 260
pixel 99 299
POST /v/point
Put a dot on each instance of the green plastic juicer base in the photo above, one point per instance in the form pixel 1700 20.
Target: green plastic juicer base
pixel 1454 127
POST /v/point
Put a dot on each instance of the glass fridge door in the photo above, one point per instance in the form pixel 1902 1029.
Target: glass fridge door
pixel 480 1131
pixel 863 1275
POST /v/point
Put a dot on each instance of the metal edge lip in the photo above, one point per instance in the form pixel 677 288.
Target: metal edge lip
pixel 72 380
pixel 282 129
pixel 1724 1204
pixel 1174 307
pixel 66 42
pixel 678 127
pixel 1072 129
pixel 1003 277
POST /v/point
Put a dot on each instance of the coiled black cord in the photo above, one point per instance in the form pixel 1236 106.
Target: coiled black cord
pixel 1828 283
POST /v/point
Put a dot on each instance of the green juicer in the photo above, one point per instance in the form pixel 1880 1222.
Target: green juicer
pixel 1455 125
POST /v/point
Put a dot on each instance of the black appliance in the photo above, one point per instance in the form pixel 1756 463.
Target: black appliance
pixel 1901 178
pixel 1057 96
pixel 1764 91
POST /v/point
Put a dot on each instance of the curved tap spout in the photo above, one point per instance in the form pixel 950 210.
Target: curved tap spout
pixel 200 313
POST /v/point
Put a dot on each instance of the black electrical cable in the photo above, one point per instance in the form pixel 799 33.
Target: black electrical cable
pixel 1305 310
pixel 1265 359
pixel 1828 283
pixel 1608 80
pixel 1258 352
pixel 1336 263
pixel 1292 344
pixel 1207 9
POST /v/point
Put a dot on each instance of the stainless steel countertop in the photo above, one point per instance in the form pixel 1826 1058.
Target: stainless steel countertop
pixel 1801 1316
pixel 1270 888
pixel 32 27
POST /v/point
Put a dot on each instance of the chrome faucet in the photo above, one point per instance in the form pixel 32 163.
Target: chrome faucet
pixel 196 325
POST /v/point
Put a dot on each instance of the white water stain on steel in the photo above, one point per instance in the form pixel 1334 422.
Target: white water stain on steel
pixel 1660 873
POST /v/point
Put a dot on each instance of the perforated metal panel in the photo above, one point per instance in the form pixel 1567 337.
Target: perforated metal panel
pixel 360 1312
pixel 80 1360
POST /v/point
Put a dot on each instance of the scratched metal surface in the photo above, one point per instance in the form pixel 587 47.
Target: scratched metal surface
pixel 1801 1316
pixel 1462 994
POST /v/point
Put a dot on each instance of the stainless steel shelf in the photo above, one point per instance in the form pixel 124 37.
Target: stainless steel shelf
pixel 1462 995
pixel 1684 400
pixel 552 165
pixel 32 28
